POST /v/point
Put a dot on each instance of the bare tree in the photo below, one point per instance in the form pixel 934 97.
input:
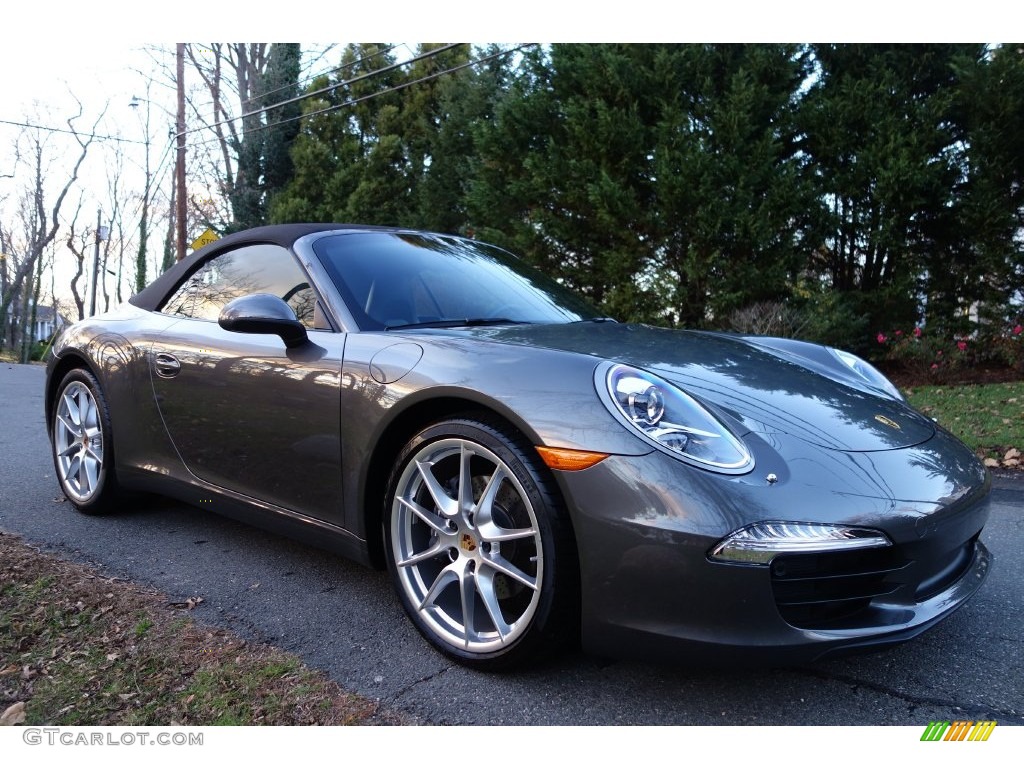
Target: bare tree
pixel 229 74
pixel 77 242
pixel 40 220
pixel 120 239
pixel 226 109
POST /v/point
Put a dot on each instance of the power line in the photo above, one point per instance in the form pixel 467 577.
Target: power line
pixel 319 91
pixel 333 70
pixel 400 86
pixel 352 102
pixel 74 133
pixel 158 174
pixel 156 182
pixel 311 77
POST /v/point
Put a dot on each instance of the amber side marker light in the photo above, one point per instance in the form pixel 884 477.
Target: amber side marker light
pixel 568 459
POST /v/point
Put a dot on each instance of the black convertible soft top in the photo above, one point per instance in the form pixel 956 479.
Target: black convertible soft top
pixel 284 235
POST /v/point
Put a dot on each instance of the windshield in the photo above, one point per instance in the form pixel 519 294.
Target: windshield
pixel 391 280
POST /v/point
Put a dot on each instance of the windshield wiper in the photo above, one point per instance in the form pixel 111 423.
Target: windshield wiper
pixel 460 323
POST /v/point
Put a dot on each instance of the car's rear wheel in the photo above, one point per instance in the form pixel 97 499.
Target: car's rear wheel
pixel 82 443
pixel 479 546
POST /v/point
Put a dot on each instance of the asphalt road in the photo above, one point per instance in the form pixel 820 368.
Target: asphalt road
pixel 345 619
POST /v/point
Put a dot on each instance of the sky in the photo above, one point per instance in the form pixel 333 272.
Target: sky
pixel 93 46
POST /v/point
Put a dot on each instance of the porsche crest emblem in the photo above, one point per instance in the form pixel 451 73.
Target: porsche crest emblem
pixel 887 421
pixel 467 542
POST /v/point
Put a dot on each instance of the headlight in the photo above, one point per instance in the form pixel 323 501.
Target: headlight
pixel 668 417
pixel 758 544
pixel 868 372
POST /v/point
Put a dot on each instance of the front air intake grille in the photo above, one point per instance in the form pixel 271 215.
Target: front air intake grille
pixel 820 590
pixel 946 571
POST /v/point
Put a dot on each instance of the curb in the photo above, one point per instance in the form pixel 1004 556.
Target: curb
pixel 1007 480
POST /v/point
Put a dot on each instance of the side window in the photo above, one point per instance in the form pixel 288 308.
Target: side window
pixel 180 302
pixel 250 269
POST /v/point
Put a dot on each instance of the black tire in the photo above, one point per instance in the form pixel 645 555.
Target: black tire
pixel 505 557
pixel 82 446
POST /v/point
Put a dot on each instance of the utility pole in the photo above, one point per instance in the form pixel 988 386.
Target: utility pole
pixel 3 290
pixel 179 169
pixel 140 259
pixel 95 266
pixel 102 233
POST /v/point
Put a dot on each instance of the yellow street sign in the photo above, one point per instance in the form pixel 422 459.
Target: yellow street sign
pixel 209 236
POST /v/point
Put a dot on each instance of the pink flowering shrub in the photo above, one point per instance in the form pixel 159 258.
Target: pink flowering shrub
pixel 923 353
pixel 1007 348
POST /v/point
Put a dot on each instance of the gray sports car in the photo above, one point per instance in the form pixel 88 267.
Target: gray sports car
pixel 529 472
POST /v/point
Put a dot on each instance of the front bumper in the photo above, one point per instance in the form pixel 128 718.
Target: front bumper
pixel 645 524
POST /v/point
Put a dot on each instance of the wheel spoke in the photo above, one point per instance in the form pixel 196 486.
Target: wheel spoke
pixel 72 409
pixel 494 533
pixel 68 425
pixel 501 565
pixel 92 472
pixel 74 468
pixel 448 506
pixel 82 476
pixel 465 493
pixel 69 450
pixel 426 516
pixel 91 413
pixel 437 548
pixel 484 518
pixel 467 594
pixel 485 588
pixel 484 513
pixel 447 575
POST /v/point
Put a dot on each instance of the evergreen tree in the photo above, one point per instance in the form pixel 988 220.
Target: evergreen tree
pixel 464 103
pixel 340 150
pixel 568 161
pixel 280 83
pixel 264 146
pixel 981 265
pixel 731 199
pixel 886 149
pixel 680 183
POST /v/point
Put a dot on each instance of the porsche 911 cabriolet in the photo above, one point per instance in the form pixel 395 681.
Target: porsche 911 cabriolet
pixel 531 473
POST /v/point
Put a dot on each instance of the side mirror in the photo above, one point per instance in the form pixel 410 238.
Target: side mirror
pixel 263 313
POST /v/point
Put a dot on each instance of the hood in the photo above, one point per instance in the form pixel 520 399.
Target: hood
pixel 766 390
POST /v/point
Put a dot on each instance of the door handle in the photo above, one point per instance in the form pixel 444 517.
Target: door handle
pixel 166 365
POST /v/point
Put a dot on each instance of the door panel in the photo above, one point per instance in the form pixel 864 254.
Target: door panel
pixel 247 414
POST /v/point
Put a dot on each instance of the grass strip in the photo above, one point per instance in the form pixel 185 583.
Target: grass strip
pixel 80 648
pixel 988 417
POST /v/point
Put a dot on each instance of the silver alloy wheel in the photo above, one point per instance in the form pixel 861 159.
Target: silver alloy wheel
pixel 466 545
pixel 78 442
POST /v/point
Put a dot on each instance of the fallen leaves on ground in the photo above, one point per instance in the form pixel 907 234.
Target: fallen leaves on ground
pixel 80 648
pixel 988 417
pixel 14 714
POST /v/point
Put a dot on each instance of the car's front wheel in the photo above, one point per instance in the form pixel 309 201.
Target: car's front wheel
pixel 82 443
pixel 479 546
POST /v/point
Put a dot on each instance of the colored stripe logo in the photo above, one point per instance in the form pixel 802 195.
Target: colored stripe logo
pixel 960 730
